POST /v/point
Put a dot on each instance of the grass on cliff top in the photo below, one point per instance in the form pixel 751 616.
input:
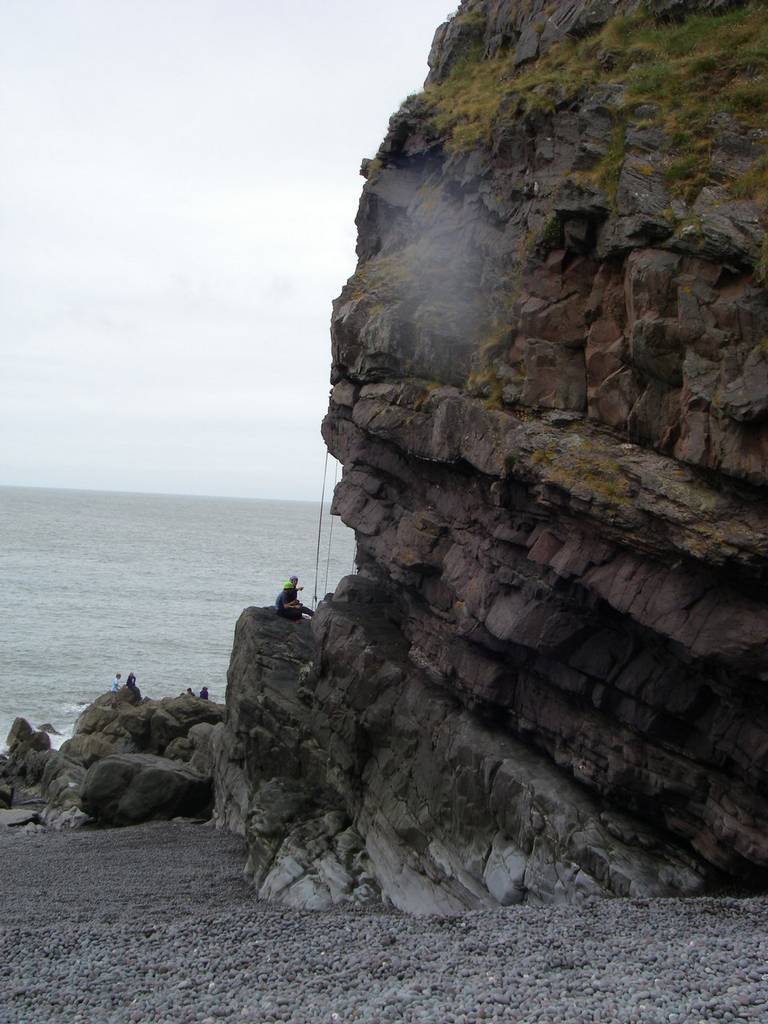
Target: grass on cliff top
pixel 691 70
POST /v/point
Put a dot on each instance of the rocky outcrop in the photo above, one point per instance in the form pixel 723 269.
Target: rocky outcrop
pixel 175 731
pixel 551 402
pixel 150 727
pixel 353 775
pixel 270 774
pixel 29 751
pixel 23 739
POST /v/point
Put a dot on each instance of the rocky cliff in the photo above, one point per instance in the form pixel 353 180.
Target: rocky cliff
pixel 550 398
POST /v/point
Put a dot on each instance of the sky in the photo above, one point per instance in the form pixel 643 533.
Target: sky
pixel 178 190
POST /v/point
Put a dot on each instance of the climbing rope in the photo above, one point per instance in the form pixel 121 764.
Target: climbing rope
pixel 330 532
pixel 319 528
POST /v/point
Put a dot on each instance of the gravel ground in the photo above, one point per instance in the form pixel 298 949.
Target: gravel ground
pixel 155 925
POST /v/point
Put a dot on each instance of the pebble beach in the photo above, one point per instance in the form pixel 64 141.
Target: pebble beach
pixel 156 925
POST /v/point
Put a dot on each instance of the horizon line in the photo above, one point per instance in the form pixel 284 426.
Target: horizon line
pixel 156 494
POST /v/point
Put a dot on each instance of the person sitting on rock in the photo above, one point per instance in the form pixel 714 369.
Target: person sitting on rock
pixel 288 604
pixel 190 692
pixel 131 680
pixel 204 693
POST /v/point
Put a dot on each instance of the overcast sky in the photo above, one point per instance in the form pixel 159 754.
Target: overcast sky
pixel 178 188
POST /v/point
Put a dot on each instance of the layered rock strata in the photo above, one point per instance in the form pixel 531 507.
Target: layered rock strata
pixel 551 402
pixel 353 776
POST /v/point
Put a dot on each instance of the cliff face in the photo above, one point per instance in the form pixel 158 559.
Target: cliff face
pixel 550 398
pixel 354 777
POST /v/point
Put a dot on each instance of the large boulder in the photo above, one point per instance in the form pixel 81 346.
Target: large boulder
pixel 123 789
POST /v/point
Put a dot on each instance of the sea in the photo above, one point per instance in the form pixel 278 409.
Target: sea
pixel 93 583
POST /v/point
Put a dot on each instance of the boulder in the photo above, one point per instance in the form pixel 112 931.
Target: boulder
pixel 28 753
pixel 60 787
pixel 18 818
pixel 23 739
pixel 127 695
pixel 20 732
pixel 123 789
pixel 201 738
pixel 180 749
pixel 270 778
pixel 86 748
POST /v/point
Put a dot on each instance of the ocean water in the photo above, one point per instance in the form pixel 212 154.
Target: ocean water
pixel 93 583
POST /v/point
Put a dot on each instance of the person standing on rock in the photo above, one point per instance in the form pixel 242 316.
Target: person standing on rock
pixel 116 682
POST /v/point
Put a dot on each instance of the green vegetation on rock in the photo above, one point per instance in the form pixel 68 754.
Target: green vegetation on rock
pixel 689 70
